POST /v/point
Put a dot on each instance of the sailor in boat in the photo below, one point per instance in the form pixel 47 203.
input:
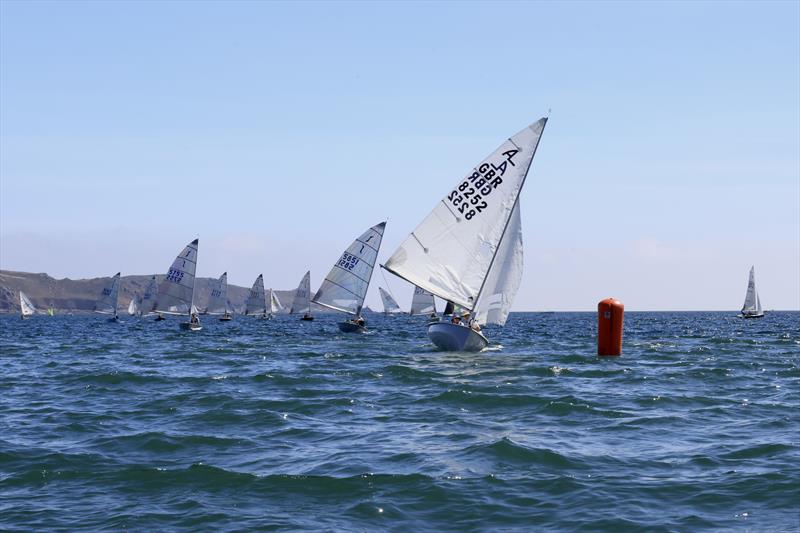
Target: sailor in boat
pixel 159 317
pixel 194 319
pixel 456 319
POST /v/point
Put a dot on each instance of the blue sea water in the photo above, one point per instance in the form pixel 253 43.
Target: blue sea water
pixel 293 425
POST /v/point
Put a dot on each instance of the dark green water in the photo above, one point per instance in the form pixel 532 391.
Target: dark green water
pixel 290 425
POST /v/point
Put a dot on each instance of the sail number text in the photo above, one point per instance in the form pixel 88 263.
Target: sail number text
pixel 470 198
pixel 347 261
pixel 175 276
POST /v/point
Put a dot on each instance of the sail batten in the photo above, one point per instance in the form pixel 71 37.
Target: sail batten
pixel 346 285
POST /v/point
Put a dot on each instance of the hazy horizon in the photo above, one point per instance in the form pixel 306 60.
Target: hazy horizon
pixel 279 132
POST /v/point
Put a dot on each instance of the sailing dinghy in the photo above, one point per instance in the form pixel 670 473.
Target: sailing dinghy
pixel 176 291
pixel 345 286
pixel 390 306
pixel 274 304
pixel 752 302
pixel 256 304
pixel 468 250
pixel 26 307
pixel 109 299
pixel 218 299
pixel 302 298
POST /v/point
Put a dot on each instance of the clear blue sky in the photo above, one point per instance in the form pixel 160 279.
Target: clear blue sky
pixel 278 132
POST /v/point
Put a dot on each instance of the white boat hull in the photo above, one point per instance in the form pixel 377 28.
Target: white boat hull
pixel 451 337
pixel 191 327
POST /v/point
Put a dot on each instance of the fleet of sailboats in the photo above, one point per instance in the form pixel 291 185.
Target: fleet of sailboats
pixel 109 299
pixel 345 286
pixel 468 250
pixel 752 302
pixel 176 292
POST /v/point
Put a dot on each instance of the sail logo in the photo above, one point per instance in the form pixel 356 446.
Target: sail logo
pixel 348 261
pixel 470 198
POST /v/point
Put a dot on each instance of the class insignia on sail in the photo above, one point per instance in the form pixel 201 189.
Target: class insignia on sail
pixel 346 285
pixel 468 250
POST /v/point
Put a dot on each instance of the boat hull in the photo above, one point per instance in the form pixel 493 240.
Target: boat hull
pixel 451 337
pixel 225 319
pixel 188 326
pixel 752 316
pixel 307 318
pixel 350 327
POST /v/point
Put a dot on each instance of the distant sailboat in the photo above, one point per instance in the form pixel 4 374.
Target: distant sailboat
pixel 345 286
pixel 390 306
pixel 176 291
pixel 148 301
pixel 423 303
pixel 26 307
pixel 109 299
pixel 302 298
pixel 274 304
pixel 133 307
pixel 218 300
pixel 256 302
pixel 468 250
pixel 752 302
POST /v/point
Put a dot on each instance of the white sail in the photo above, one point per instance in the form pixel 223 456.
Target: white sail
pixel 133 307
pixel 345 286
pixel 452 251
pixel 256 304
pixel 218 299
pixel 176 291
pixel 422 303
pixel 752 302
pixel 504 277
pixel 148 301
pixel 25 305
pixel 108 298
pixel 274 303
pixel 389 303
pixel 301 302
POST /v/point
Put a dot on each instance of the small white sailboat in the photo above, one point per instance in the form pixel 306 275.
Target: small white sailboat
pixel 302 298
pixel 176 291
pixel 390 306
pixel 752 301
pixel 345 286
pixel 218 299
pixel 26 307
pixel 423 303
pixel 274 304
pixel 109 299
pixel 133 307
pixel 468 250
pixel 256 302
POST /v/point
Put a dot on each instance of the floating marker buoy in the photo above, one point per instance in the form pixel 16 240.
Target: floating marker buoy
pixel 609 327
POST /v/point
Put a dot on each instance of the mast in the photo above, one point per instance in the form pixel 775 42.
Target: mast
pixel 508 220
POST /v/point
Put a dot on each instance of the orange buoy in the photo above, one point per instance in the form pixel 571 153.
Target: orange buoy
pixel 609 327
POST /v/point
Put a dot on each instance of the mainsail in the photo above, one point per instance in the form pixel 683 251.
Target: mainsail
pixel 25 305
pixel 389 303
pixel 274 303
pixel 256 304
pixel 133 307
pixel 301 302
pixel 176 291
pixel 452 252
pixel 504 278
pixel 345 286
pixel 108 298
pixel 422 303
pixel 752 302
pixel 218 299
pixel 148 301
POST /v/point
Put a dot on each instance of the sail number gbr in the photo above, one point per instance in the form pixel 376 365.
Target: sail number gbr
pixel 470 198
pixel 348 261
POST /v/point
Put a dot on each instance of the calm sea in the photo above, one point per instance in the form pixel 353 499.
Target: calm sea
pixel 292 425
